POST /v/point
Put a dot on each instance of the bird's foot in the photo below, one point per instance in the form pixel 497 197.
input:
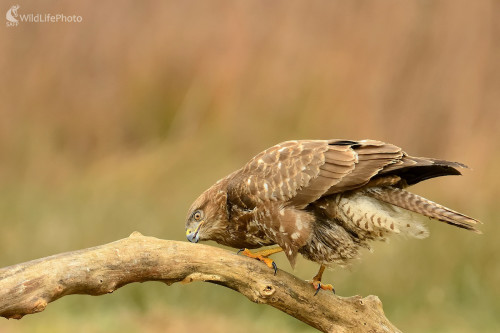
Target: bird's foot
pixel 263 256
pixel 319 285
pixel 316 281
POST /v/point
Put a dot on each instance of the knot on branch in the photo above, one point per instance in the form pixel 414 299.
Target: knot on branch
pixel 267 290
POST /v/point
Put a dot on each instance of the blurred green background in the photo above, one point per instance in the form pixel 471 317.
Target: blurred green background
pixel 117 124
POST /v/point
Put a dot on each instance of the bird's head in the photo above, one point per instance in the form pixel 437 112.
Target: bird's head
pixel 207 215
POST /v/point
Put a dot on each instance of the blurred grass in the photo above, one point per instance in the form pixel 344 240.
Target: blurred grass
pixel 118 123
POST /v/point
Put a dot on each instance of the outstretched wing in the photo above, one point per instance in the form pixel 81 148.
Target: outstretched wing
pixel 300 172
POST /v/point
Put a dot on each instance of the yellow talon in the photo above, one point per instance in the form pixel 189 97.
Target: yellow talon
pixel 316 282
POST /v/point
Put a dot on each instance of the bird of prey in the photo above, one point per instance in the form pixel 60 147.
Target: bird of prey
pixel 324 199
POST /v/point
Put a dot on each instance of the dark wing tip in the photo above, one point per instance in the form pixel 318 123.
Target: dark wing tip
pixel 419 169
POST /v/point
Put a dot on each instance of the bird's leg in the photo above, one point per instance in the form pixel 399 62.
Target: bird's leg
pixel 263 256
pixel 316 281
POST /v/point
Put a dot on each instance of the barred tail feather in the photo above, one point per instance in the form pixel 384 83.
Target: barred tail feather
pixel 423 206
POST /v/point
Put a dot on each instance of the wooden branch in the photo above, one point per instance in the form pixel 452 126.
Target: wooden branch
pixel 28 287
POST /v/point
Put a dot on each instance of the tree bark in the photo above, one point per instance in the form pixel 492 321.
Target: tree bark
pixel 28 287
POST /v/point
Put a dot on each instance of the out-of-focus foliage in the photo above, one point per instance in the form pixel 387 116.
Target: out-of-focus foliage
pixel 117 123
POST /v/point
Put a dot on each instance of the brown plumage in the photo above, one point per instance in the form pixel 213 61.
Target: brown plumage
pixel 325 199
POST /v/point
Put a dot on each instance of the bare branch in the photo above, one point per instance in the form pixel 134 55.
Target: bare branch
pixel 28 287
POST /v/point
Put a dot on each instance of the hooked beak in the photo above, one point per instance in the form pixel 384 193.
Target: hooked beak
pixel 192 235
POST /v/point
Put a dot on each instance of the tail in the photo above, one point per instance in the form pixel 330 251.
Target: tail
pixel 423 206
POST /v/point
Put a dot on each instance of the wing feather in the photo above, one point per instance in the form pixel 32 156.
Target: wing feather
pixel 372 157
pixel 300 172
pixel 336 168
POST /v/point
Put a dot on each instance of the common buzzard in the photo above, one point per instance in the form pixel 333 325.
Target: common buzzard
pixel 324 199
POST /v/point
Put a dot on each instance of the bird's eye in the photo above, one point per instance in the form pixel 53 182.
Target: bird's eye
pixel 197 215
